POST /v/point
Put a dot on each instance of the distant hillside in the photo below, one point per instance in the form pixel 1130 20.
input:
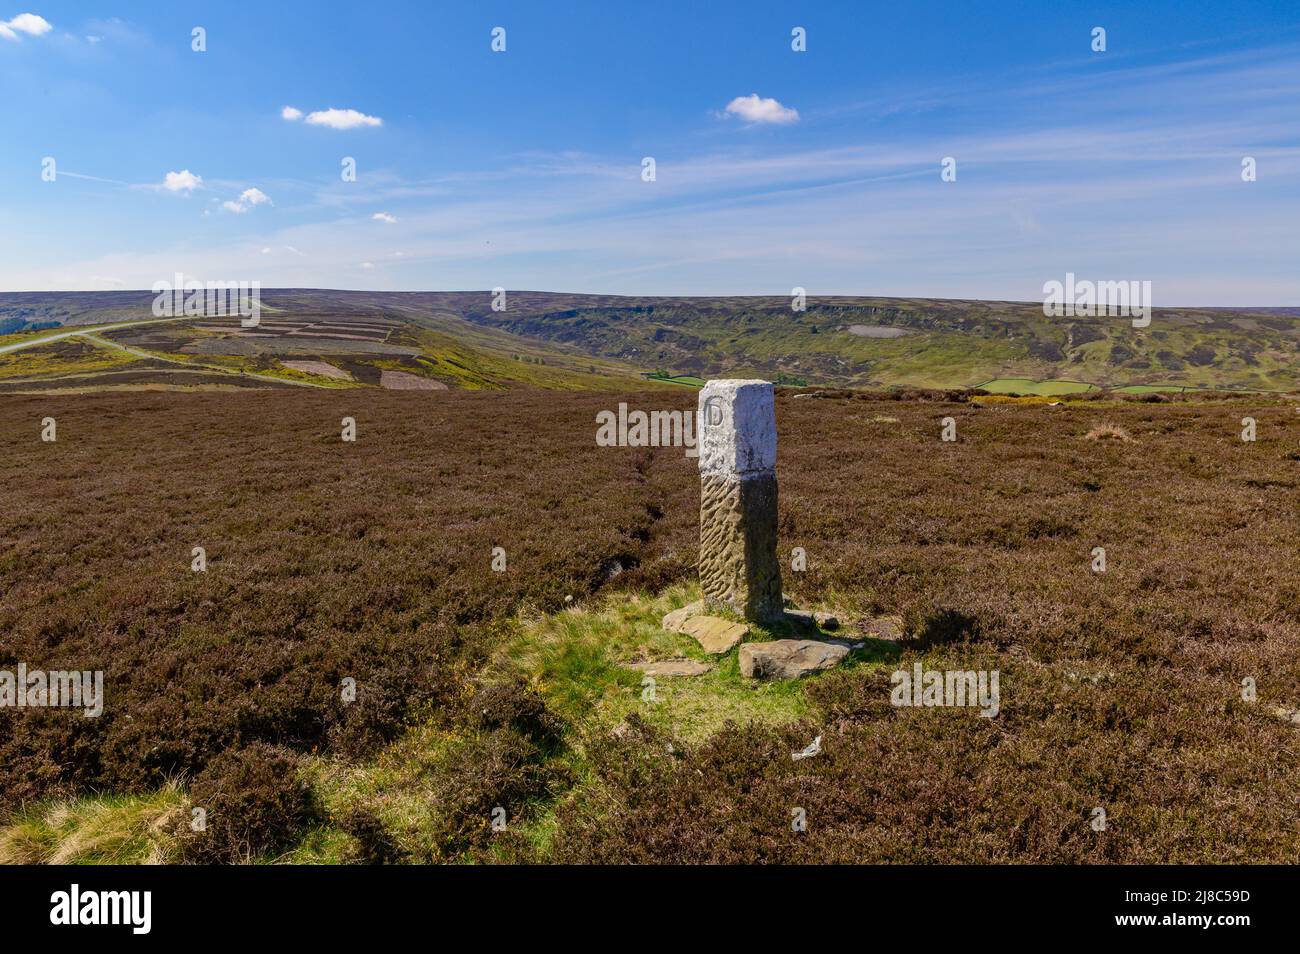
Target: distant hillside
pixel 112 341
pixel 920 342
pixel 850 341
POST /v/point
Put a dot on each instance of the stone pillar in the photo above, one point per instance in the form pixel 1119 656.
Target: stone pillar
pixel 737 441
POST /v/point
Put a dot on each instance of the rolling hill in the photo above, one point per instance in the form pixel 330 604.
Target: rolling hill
pixel 598 341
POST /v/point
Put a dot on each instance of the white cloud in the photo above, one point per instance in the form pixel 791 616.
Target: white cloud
pixel 183 181
pixel 28 23
pixel 385 218
pixel 94 39
pixel 367 264
pixel 290 113
pixel 342 119
pixel 266 251
pixel 247 199
pixel 753 109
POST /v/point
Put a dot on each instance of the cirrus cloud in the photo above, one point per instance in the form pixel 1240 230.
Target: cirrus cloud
pixel 755 109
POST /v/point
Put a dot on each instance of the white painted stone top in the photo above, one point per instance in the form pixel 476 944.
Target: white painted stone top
pixel 737 428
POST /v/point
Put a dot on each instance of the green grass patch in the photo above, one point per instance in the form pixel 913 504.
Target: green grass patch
pixel 96 830
pixel 1030 386
pixel 577 659
pixel 689 380
pixel 1154 388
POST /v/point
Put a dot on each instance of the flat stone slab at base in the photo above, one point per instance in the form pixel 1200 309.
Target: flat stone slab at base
pixel 715 634
pixel 789 658
pixel 672 667
pixel 675 620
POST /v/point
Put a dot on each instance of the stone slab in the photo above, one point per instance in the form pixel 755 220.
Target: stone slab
pixel 672 667
pixel 790 658
pixel 715 634
pixel 674 621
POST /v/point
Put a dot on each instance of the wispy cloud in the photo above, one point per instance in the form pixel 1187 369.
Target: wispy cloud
pixel 1121 185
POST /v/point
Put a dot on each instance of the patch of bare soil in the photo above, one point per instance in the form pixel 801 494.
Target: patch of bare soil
pixel 318 367
pixel 402 381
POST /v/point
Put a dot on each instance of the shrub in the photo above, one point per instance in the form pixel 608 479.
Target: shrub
pixel 254 803
pixel 513 705
pixel 373 845
pixel 500 769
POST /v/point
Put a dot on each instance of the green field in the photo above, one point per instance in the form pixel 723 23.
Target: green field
pixel 1155 388
pixel 689 380
pixel 1028 386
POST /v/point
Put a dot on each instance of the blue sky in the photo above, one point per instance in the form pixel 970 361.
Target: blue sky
pixel 774 168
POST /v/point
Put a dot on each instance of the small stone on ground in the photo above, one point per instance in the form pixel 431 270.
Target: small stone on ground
pixel 789 658
pixel 672 667
pixel 674 621
pixel 715 634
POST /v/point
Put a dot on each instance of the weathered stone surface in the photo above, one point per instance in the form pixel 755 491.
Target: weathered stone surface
pixel 715 634
pixel 737 428
pixel 789 658
pixel 672 667
pixel 798 617
pixel 674 621
pixel 738 564
pixel 738 499
pixel 826 620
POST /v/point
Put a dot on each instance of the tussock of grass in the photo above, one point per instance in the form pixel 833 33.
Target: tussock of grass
pixel 115 829
pixel 1110 432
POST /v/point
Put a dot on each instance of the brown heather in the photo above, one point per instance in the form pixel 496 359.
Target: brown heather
pixel 372 560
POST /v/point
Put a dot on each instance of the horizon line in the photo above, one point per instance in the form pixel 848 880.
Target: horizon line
pixel 532 291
